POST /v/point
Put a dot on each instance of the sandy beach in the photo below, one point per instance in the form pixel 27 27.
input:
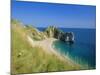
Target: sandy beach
pixel 47 46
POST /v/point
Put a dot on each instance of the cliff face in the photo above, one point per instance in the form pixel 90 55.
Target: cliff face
pixel 67 37
pixel 58 34
pixel 50 32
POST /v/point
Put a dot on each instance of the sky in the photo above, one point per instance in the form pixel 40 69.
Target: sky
pixel 41 14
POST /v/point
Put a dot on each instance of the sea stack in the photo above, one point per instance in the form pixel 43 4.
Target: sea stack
pixel 67 37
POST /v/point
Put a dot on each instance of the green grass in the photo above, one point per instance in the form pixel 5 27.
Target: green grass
pixel 32 59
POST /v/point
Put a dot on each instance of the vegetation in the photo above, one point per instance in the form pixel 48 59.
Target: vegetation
pixel 34 33
pixel 28 59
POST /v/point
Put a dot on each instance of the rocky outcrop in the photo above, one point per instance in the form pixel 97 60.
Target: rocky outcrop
pixel 50 32
pixel 67 37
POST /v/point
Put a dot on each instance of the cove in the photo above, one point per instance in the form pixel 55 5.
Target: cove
pixel 80 53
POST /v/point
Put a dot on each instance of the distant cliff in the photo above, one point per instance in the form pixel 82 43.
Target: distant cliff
pixel 58 34
pixel 50 32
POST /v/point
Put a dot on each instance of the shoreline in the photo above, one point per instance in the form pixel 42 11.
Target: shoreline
pixel 47 47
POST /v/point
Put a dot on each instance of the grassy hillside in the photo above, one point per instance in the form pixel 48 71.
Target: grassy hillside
pixel 34 33
pixel 28 59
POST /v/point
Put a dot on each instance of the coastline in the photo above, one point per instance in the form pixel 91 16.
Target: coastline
pixel 47 47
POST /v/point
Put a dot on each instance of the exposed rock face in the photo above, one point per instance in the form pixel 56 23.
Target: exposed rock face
pixel 67 37
pixel 58 34
pixel 50 32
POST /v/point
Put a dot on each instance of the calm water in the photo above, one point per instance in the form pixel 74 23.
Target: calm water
pixel 83 50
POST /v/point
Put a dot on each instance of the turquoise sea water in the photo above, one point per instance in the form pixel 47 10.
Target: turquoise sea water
pixel 80 53
pixel 84 48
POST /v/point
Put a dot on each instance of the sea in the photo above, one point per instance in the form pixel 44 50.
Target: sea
pixel 83 50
